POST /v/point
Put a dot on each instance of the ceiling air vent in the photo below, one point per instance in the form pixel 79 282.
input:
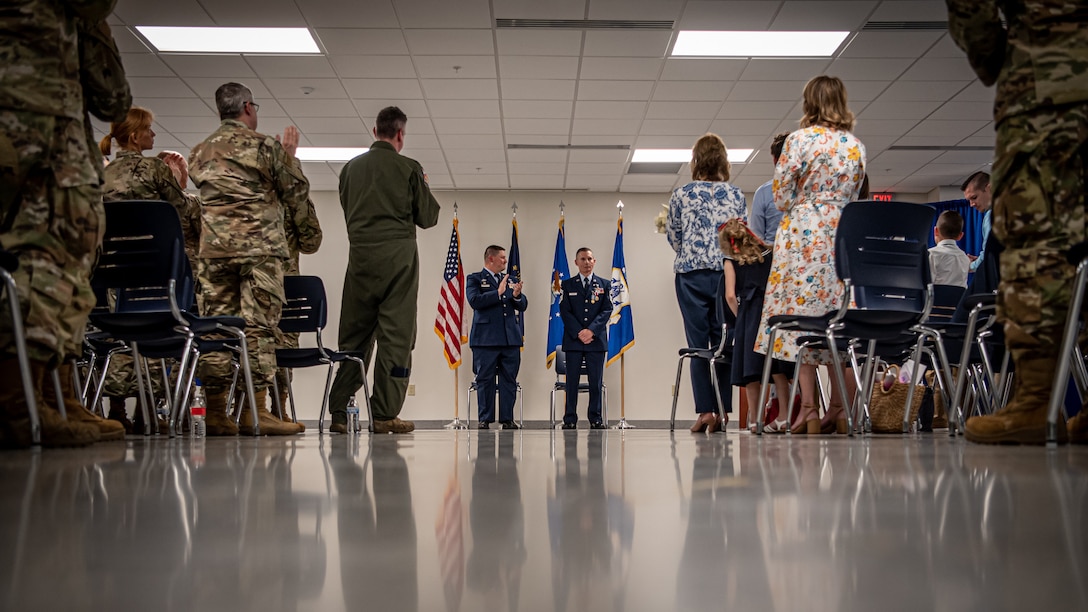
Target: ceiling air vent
pixel 905 26
pixel 655 168
pixel 548 147
pixel 585 24
pixel 938 148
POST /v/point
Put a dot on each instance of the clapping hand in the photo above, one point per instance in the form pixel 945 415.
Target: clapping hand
pixel 178 166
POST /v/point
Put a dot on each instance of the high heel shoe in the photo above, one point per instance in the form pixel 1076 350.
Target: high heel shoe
pixel 811 424
pixel 834 421
pixel 718 424
pixel 704 421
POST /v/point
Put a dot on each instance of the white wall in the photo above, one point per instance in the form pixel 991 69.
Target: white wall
pixel 485 219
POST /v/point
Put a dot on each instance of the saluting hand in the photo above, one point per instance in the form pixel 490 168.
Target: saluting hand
pixel 289 140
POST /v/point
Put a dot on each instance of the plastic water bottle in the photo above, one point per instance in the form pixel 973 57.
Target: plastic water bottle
pixel 353 415
pixel 198 409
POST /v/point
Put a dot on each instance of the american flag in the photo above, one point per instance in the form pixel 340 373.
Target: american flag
pixel 451 302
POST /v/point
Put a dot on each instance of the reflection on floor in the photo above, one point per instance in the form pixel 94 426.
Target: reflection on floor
pixel 540 520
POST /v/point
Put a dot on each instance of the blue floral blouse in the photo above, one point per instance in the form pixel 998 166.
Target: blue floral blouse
pixel 695 212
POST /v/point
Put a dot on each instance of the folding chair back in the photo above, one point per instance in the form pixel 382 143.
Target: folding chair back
pixel 306 309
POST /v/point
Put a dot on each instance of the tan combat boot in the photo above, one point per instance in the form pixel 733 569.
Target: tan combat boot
pixel 218 421
pixel 15 415
pixel 108 430
pixel 1023 420
pixel 269 424
pixel 285 402
pixel 119 413
pixel 394 425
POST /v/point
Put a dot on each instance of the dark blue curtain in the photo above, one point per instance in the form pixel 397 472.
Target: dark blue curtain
pixel 972 224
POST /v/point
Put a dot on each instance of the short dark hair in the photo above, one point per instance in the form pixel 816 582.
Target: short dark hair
pixel 390 121
pixel 978 180
pixel 492 250
pixel 950 224
pixel 777 144
pixel 231 98
pixel 580 249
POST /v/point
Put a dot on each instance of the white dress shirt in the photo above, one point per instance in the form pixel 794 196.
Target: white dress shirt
pixel 949 264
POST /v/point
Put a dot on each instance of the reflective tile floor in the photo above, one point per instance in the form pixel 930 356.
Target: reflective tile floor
pixel 539 520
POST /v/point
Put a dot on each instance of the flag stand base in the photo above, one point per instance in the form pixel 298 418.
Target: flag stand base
pixel 623 424
pixel 457 424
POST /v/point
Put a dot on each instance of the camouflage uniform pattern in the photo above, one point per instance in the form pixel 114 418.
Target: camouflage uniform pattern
pixel 50 199
pixel 1040 66
pixel 131 176
pixel 249 186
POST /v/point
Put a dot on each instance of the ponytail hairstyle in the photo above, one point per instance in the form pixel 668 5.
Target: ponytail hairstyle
pixel 137 120
pixel 737 241
pixel 709 159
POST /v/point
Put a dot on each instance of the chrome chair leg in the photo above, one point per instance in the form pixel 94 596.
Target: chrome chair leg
pixel 1066 353
pixel 21 354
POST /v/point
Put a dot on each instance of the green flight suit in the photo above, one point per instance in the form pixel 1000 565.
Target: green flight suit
pixel 384 196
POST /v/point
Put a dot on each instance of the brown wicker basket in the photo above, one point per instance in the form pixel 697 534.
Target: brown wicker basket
pixel 886 406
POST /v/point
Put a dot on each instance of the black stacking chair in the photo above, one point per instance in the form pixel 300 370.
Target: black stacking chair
pixel 8 264
pixel 1070 352
pixel 143 259
pixel 583 387
pixel 306 311
pixel 721 354
pixel 881 256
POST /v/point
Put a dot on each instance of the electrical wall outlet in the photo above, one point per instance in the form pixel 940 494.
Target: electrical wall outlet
pixel 411 390
pixel 672 390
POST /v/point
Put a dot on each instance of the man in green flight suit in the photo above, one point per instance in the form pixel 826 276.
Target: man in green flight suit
pixel 1039 61
pixel 384 196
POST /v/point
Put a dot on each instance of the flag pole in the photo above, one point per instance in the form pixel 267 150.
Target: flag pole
pixel 456 423
pixel 623 424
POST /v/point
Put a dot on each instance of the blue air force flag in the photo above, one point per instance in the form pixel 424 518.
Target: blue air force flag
pixel 621 326
pixel 513 270
pixel 560 273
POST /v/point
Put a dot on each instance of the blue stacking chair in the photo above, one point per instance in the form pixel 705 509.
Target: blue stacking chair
pixel 881 256
pixel 306 311
pixel 583 387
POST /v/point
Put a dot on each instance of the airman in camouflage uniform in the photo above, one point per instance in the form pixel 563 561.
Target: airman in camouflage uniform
pixel 303 236
pixel 1040 64
pixel 249 183
pixel 385 197
pixel 51 213
pixel 131 176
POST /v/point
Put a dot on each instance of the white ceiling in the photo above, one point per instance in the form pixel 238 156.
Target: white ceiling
pixel 471 89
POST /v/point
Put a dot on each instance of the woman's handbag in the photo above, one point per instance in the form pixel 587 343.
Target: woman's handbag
pixel 888 399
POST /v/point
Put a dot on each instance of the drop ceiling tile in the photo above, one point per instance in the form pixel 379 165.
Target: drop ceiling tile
pixel 450 42
pixel 422 141
pixel 693 90
pixel 443 14
pixel 174 13
pixel 536 181
pixel 532 89
pixel 604 156
pixel 426 157
pixel 206 124
pixel 530 109
pixel 533 9
pixel 193 139
pixel 784 69
pixel 330 125
pixel 948 170
pixel 176 107
pixel 596 169
pixel 316 169
pixel 455 66
pixel 910 10
pixel 755 110
pixel 718 15
pixel 454 127
pixel 966 157
pixel 268 66
pixel 868 127
pixel 319 108
pixel 538 67
pixel 332 14
pixel 475 141
pixel 626 43
pixel 272 13
pixel 953 131
pixel 976 92
pixel 403 89
pixel 205 88
pixel 861 91
pixel 526 168
pixel 869 69
pixel 611 140
pixel 727 128
pixel 475 168
pixel 768 90
pixel 908 91
pixel 208 65
pixel 683 110
pixel 460 89
pixel 373 66
pixel 890 44
pixel 590 109
pixel 653 10
pixel 369 109
pixel 306 88
pixel 903 159
pixel 606 127
pixel 360 41
pixel 419 125
pixel 664 142
pixel 539 42
pixel 886 108
pixel 620 68
pixel 614 90
pixel 940 69
pixel 607 182
pixel 144 65
pixel 481 181
pixel 525 156
pixel 697 69
pixel 167 142
pixel 362 139
pixel 474 109
pixel 556 127
pixel 539 139
pixel 128 42
pixel 664 182
pixel 822 15
pixel 678 127
pixel 161 87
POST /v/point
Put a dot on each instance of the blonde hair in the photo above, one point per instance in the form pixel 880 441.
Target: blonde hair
pixel 737 241
pixel 122 131
pixel 709 159
pixel 824 103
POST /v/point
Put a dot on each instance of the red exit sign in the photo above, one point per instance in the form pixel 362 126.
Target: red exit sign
pixel 882 197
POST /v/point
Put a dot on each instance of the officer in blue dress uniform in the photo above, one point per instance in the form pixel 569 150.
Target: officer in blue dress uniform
pixel 585 307
pixel 496 337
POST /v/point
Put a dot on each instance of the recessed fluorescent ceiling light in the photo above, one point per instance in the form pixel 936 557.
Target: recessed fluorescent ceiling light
pixel 757 44
pixel 230 40
pixel 736 156
pixel 329 153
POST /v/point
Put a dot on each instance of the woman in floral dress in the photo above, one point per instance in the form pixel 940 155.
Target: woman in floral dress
pixel 695 212
pixel 821 169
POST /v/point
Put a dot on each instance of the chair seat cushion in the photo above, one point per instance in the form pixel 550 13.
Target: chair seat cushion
pixel 300 358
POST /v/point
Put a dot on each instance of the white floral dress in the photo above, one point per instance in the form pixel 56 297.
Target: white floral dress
pixel 819 172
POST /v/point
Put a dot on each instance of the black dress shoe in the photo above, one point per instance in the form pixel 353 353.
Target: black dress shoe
pixel 509 425
pixel 570 426
pixel 598 425
pixel 483 425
